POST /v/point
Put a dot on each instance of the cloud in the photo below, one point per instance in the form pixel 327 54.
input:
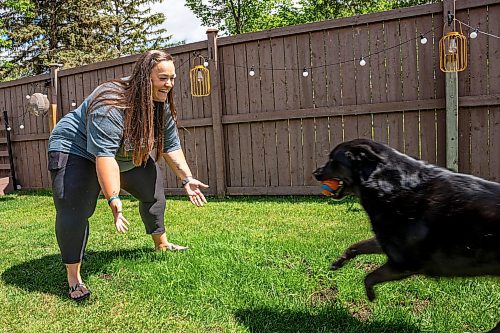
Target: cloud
pixel 180 22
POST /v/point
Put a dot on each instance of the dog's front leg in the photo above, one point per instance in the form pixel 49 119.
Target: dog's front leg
pixel 367 246
pixel 384 273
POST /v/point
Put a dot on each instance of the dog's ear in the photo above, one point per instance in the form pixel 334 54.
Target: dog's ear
pixel 363 152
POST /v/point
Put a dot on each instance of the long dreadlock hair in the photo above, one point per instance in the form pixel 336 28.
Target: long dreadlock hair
pixel 144 124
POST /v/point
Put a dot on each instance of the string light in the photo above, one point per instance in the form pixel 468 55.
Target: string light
pixel 21 126
pixel 473 34
pixel 423 39
pixel 205 63
pixel 199 75
pixel 28 96
pixel 476 30
pixel 73 103
pixel 9 128
pixel 362 61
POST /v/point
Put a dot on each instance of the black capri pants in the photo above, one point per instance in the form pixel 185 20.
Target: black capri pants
pixel 76 188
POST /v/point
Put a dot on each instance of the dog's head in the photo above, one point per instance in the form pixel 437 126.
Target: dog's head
pixel 349 163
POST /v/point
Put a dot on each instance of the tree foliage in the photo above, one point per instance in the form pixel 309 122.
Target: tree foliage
pixel 37 33
pixel 240 16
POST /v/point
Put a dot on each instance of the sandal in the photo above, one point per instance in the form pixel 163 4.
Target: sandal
pixel 81 287
pixel 171 247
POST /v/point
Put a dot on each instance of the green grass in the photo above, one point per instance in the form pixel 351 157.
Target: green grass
pixel 254 265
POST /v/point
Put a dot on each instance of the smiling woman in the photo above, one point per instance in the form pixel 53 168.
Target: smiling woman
pixel 106 144
pixel 162 80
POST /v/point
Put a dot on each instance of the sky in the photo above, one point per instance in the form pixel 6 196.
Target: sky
pixel 181 22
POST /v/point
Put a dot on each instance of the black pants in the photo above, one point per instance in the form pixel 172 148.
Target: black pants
pixel 76 189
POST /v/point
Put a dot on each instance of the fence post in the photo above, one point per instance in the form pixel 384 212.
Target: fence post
pixel 9 148
pixel 451 99
pixel 54 92
pixel 215 94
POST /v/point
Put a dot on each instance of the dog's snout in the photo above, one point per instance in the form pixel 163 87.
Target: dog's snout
pixel 318 173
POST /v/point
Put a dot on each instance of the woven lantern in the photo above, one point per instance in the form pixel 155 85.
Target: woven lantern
pixel 453 52
pixel 200 80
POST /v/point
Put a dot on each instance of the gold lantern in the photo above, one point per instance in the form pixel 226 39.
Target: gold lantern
pixel 453 52
pixel 200 80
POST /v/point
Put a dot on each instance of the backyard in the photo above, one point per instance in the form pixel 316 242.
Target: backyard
pixel 255 264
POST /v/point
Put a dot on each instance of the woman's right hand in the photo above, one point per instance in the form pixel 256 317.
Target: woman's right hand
pixel 121 223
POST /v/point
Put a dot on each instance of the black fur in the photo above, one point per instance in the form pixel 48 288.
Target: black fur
pixel 426 219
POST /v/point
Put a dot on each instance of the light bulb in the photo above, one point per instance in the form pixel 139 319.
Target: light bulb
pixel 452 46
pixel 305 73
pixel 8 128
pixel 28 96
pixel 474 34
pixel 423 40
pixel 205 63
pixel 21 126
pixel 252 71
pixel 362 62
pixel 73 103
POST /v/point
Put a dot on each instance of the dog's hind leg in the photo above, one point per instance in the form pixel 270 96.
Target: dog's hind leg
pixel 367 246
pixel 384 273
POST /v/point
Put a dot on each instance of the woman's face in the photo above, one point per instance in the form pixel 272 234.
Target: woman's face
pixel 162 80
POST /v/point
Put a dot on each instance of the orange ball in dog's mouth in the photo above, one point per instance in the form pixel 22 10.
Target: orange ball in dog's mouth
pixel 328 187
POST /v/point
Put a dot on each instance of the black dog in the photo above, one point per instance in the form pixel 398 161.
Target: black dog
pixel 426 219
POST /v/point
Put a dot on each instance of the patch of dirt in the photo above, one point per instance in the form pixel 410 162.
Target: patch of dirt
pixel 360 310
pixel 367 266
pixel 105 276
pixel 419 305
pixel 323 296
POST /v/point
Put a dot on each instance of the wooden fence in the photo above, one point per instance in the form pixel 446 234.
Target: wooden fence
pixel 266 134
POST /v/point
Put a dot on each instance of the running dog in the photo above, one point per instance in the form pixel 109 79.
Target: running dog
pixel 426 219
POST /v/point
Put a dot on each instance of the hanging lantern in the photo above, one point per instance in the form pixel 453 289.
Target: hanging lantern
pixel 453 52
pixel 200 80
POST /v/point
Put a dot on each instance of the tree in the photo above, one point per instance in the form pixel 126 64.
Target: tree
pixel 317 10
pixel 240 16
pixel 37 33
pixel 134 29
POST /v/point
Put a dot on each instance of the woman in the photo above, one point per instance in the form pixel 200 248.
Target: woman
pixel 108 143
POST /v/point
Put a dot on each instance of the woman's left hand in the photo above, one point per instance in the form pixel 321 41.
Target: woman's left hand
pixel 193 189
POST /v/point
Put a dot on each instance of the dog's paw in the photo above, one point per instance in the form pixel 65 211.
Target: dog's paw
pixel 370 293
pixel 336 265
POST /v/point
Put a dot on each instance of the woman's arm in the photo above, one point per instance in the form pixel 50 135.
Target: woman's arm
pixel 177 162
pixel 108 174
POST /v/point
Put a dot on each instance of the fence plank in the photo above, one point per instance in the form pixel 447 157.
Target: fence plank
pixel 347 66
pixel 296 164
pixel 258 154
pixel 494 172
pixel 185 110
pixel 479 142
pixel 479 66
pixel 243 106
pixel 286 138
pixel 464 136
pixel 319 70
pixel 246 154
pixel 233 152
pixel 255 105
pixel 493 49
pixel 332 53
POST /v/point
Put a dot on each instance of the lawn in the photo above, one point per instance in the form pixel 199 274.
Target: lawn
pixel 255 264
